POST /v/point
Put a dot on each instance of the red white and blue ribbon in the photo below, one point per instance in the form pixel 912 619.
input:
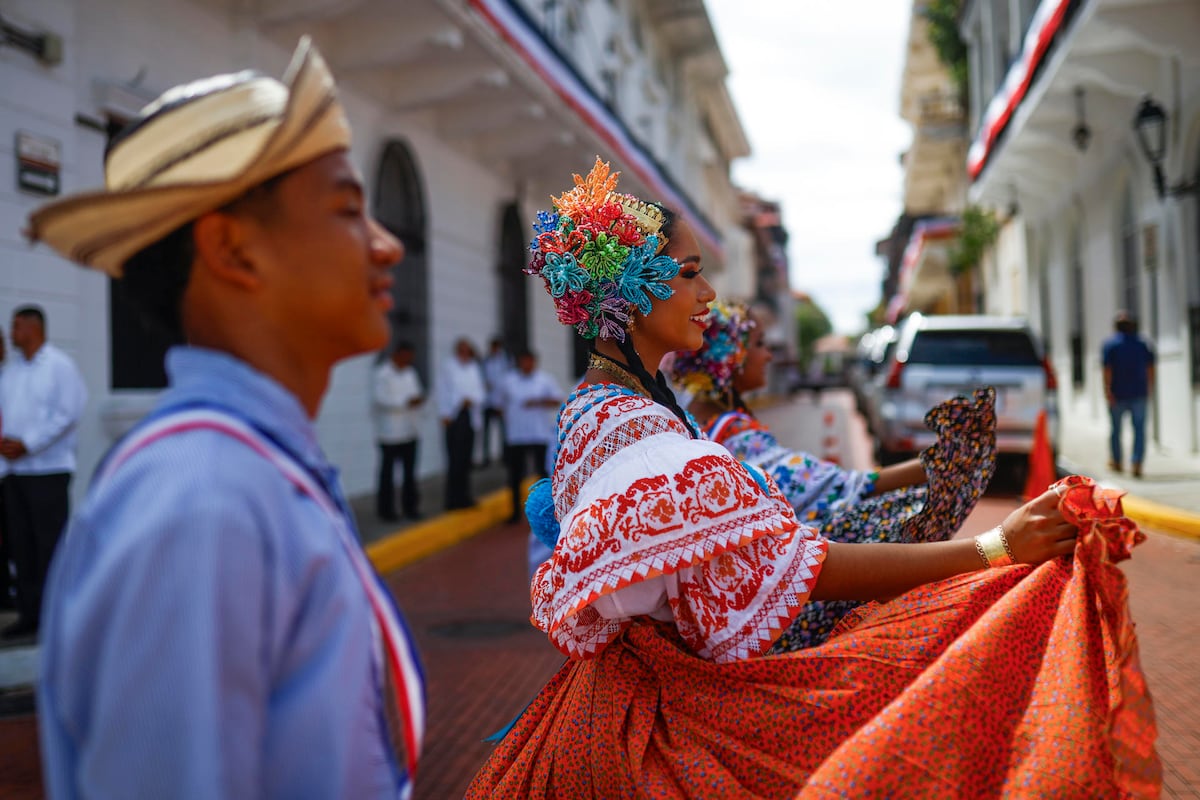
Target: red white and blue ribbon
pixel 1047 21
pixel 514 26
pixel 394 650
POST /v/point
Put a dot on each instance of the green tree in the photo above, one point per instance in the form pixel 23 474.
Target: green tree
pixel 978 233
pixel 811 324
pixel 943 35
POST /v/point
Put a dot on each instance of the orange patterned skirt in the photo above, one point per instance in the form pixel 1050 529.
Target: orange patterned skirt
pixel 1014 682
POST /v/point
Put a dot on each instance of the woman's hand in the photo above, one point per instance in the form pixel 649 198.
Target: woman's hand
pixel 1037 531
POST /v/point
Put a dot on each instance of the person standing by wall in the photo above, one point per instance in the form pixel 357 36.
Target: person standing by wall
pixel 496 367
pixel 529 396
pixel 1128 376
pixel 460 396
pixel 396 393
pixel 42 397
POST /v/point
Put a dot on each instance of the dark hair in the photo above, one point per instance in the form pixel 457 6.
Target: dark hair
pixel 156 276
pixel 1124 323
pixel 670 219
pixel 655 385
pixel 525 352
pixel 32 312
pixel 403 345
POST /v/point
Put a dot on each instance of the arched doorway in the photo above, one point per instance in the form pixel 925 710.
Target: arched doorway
pixel 514 304
pixel 1194 286
pixel 400 207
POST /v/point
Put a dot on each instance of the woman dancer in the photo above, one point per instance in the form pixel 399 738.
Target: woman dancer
pixel 676 566
pixel 844 505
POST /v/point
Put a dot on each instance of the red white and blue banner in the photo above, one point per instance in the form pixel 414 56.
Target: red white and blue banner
pixel 923 233
pixel 513 24
pixel 1048 20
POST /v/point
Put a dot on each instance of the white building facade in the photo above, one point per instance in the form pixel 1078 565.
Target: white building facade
pixel 1055 88
pixel 467 115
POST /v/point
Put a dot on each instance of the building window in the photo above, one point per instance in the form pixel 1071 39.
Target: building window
pixel 514 304
pixel 137 350
pixel 399 202
pixel 1129 281
pixel 1078 304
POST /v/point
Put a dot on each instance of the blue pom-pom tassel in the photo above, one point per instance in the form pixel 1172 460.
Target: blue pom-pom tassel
pixel 539 510
pixel 758 476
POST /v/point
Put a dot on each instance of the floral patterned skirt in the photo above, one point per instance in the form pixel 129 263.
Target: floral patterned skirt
pixel 1014 682
pixel 959 466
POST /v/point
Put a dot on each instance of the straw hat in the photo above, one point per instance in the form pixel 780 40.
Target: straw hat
pixel 194 149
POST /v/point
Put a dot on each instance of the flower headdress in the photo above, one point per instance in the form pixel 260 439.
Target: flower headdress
pixel 709 371
pixel 599 253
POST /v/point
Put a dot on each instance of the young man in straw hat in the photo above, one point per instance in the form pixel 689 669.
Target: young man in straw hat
pixel 212 628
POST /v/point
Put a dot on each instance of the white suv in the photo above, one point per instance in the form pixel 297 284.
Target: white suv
pixel 937 357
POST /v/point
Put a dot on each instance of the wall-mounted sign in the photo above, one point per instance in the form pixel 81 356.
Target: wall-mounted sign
pixel 38 162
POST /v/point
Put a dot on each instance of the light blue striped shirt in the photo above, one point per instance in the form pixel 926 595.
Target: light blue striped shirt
pixel 204 633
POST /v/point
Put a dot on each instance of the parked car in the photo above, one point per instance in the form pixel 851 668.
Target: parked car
pixel 937 357
pixel 883 345
pixel 858 371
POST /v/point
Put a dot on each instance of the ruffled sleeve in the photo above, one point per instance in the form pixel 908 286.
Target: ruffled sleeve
pixel 679 520
pixel 812 486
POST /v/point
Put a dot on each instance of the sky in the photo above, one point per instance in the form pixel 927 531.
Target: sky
pixel 817 87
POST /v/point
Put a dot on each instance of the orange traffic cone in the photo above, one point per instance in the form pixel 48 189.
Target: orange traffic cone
pixel 1041 471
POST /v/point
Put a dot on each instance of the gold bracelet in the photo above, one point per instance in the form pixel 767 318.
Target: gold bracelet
pixel 982 555
pixel 993 547
pixel 1012 557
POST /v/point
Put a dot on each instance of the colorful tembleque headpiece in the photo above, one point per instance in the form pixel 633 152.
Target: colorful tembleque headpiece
pixel 708 372
pixel 599 253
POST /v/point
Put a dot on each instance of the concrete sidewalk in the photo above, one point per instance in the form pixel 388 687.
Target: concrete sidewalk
pixel 1166 497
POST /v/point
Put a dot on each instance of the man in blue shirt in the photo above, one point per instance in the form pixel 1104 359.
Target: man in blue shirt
pixel 1128 376
pixel 211 628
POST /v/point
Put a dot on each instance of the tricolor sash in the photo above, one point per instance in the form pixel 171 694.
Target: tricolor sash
pixel 402 687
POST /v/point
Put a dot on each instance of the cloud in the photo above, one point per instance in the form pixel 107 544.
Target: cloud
pixel 817 86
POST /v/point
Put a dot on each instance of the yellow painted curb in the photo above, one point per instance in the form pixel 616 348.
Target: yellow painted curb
pixel 426 538
pixel 422 540
pixel 1162 518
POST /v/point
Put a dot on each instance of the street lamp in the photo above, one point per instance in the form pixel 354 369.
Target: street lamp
pixel 1150 125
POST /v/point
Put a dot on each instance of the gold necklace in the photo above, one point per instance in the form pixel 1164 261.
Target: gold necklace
pixel 615 369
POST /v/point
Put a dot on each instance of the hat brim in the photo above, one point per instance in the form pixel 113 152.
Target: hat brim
pixel 102 229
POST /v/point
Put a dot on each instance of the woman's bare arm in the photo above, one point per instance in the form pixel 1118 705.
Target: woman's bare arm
pixel 1036 532
pixel 898 476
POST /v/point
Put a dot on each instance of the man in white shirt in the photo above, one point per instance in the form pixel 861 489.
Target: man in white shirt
pixel 496 367
pixel 42 397
pixel 460 396
pixel 396 393
pixel 530 395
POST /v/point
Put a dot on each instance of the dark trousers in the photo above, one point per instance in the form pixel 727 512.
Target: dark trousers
pixel 517 457
pixel 36 508
pixel 6 568
pixel 491 417
pixel 385 500
pixel 460 441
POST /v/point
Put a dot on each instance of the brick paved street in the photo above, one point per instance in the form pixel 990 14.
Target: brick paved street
pixel 469 609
